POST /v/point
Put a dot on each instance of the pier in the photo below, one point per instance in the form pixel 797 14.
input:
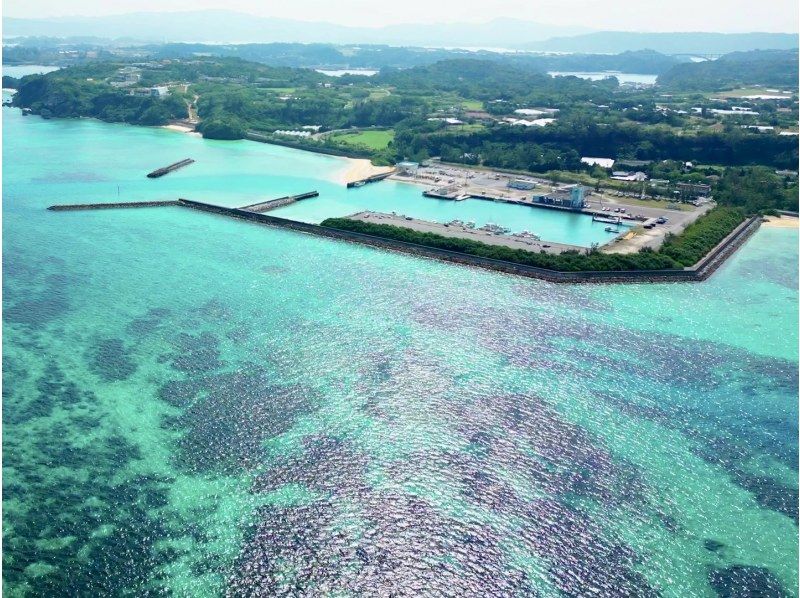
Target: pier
pixel 272 204
pixel 370 179
pixel 159 172
pixel 111 206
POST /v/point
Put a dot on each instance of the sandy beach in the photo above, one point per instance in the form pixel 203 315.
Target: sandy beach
pixel 180 129
pixel 781 222
pixel 358 169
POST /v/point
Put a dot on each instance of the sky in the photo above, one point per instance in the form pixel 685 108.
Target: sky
pixel 622 15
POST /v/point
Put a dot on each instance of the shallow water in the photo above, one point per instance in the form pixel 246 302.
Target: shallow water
pixel 204 406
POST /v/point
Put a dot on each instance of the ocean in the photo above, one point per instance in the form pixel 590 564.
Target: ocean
pixel 199 406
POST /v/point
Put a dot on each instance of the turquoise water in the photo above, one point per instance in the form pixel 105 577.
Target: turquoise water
pixel 200 406
pixel 407 199
pixel 241 173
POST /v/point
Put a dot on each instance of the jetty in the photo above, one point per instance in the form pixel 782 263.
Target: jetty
pixel 266 206
pixel 159 172
pixel 111 206
pixel 370 179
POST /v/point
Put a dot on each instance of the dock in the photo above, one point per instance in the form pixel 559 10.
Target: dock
pixel 272 204
pixel 370 179
pixel 111 206
pixel 451 192
pixel 159 172
pixel 606 219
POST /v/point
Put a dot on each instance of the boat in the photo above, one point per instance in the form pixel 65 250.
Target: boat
pixel 359 184
pixel 608 220
pixel 611 229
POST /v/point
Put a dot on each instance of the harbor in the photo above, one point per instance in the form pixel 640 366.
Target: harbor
pixel 491 234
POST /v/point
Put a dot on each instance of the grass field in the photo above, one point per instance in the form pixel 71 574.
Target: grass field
pixel 376 140
pixel 379 93
pixel 472 105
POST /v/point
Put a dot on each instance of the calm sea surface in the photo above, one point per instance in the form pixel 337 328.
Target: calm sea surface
pixel 200 406
pixel 621 77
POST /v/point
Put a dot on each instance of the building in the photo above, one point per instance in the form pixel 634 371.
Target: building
pixel 693 190
pixel 159 92
pixel 569 197
pixel 447 120
pixel 524 184
pixel 407 168
pixel 601 162
pixel 633 177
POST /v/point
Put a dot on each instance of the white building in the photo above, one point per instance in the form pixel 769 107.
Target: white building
pixel 601 162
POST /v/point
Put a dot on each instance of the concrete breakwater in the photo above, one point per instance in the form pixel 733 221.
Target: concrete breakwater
pixel 698 272
pixel 159 172
pixel 370 179
pixel 112 206
pixel 272 204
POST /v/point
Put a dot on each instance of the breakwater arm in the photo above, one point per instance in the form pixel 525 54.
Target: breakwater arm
pixel 111 206
pixel 159 172
pixel 696 273
pixel 266 206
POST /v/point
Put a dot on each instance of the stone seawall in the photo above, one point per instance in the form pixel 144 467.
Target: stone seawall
pixel 699 272
pixel 317 149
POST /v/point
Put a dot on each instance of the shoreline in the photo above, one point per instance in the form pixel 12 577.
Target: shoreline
pixel 781 222
pixel 358 169
pixel 181 129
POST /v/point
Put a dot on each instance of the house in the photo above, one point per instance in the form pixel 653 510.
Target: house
pixel 693 190
pixel 636 177
pixel 407 168
pixel 159 92
pixel 478 115
pixel 447 120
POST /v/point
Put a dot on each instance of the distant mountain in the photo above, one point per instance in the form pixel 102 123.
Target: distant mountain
pixel 771 68
pixel 614 42
pixel 222 26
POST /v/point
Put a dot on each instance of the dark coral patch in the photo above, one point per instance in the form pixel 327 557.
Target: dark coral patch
pixel 111 360
pixel 227 418
pixel 742 581
pixel 195 354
